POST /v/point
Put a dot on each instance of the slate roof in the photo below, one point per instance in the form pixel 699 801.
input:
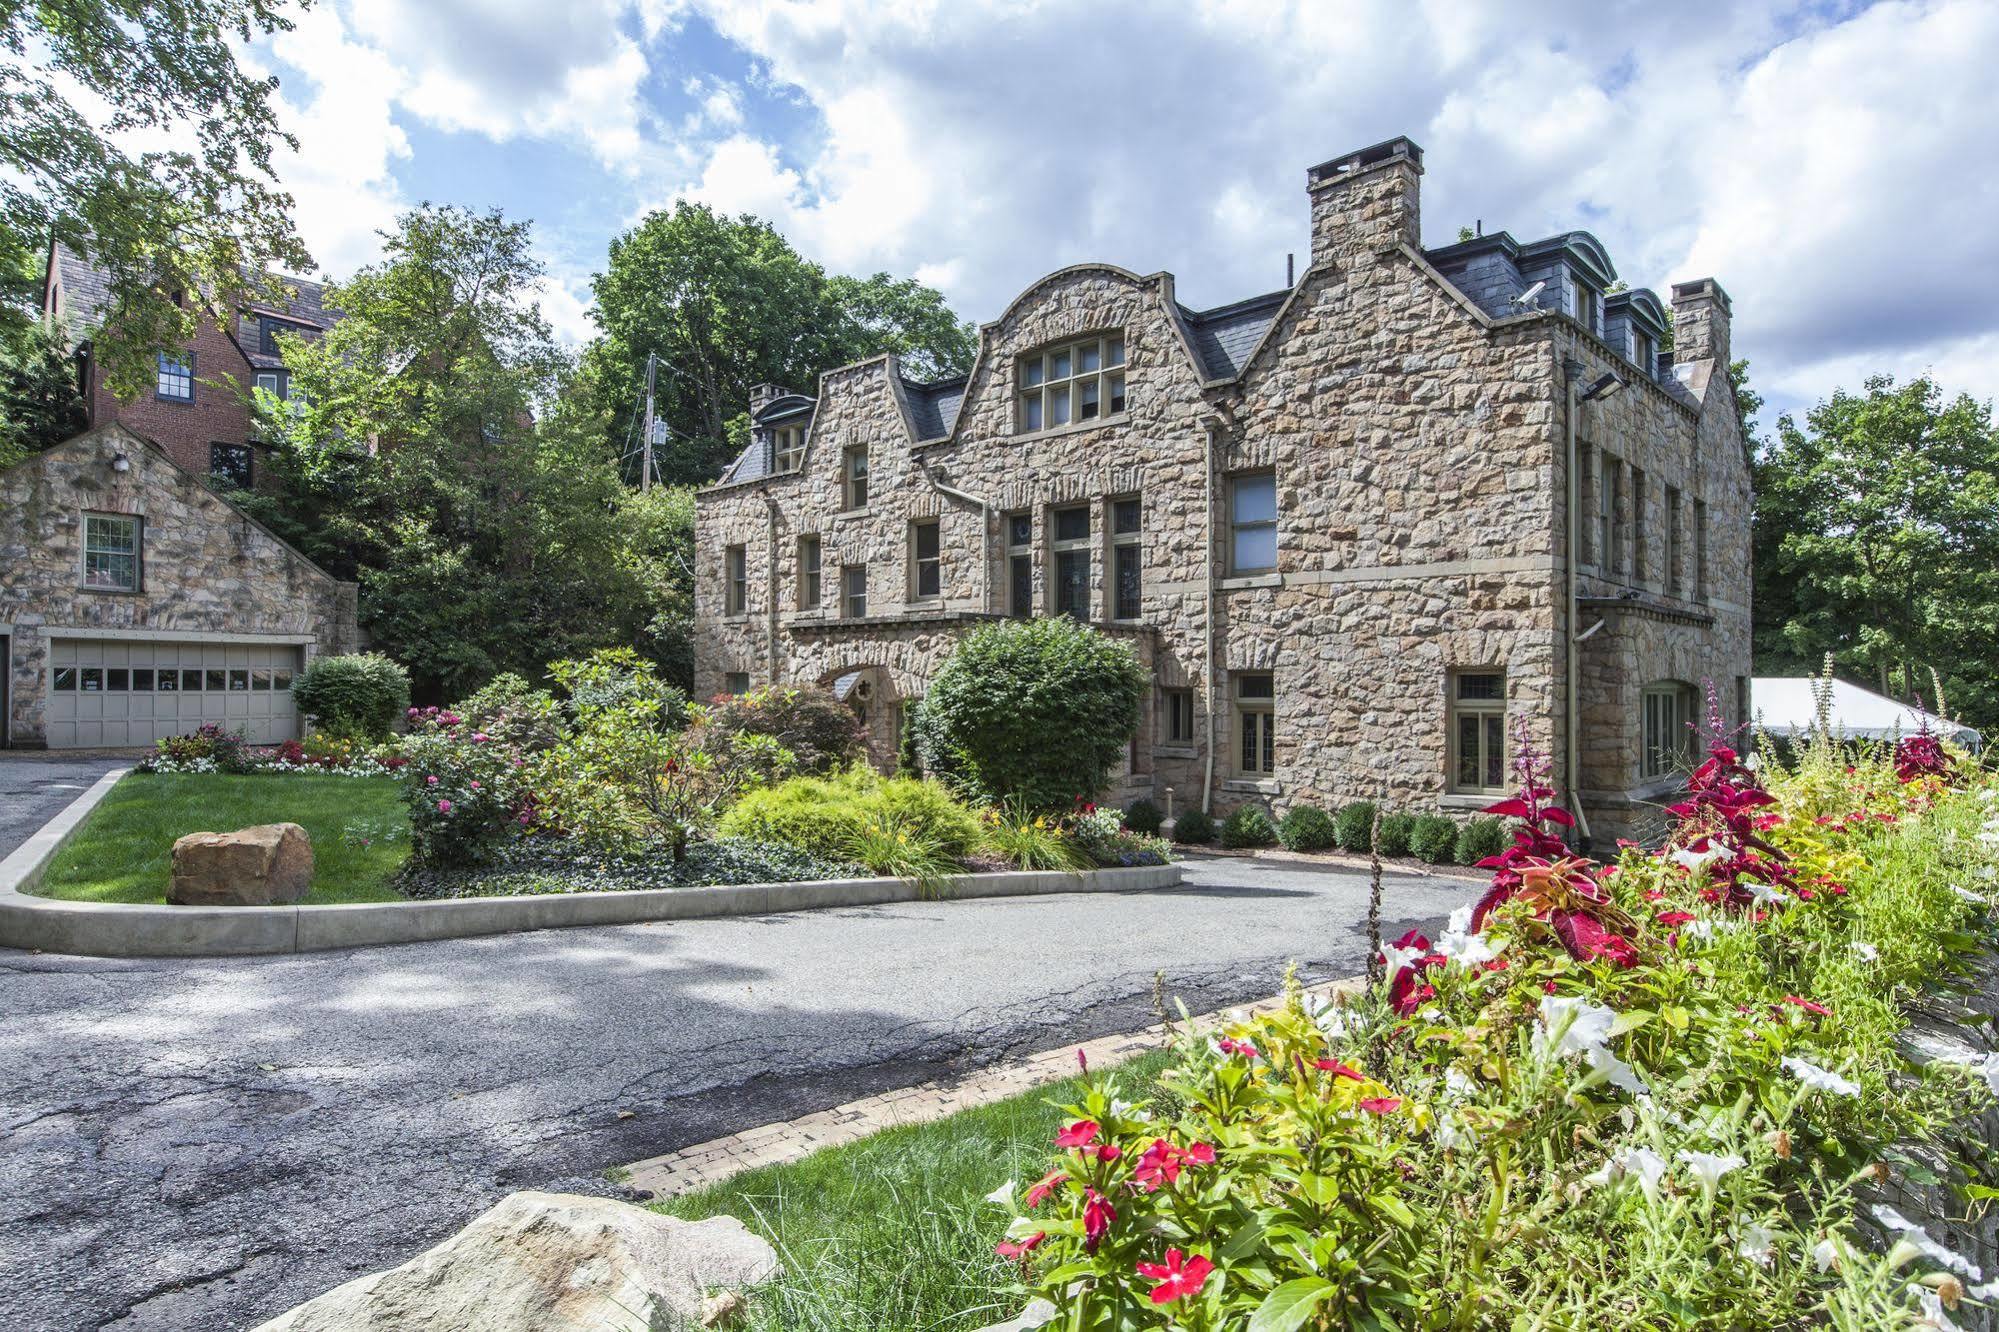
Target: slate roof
pixel 86 292
pixel 752 465
pixel 1226 335
pixel 935 406
pixel 87 296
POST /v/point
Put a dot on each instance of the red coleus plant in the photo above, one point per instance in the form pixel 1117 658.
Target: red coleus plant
pixel 1920 755
pixel 1718 820
pixel 1405 961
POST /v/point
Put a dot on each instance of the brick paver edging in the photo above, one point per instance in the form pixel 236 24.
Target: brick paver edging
pixel 106 929
pixel 772 1144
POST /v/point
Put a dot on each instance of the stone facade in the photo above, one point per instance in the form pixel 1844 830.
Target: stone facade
pixel 1420 438
pixel 208 575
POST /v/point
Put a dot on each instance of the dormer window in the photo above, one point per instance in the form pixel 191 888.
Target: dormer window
pixel 787 448
pixel 1072 383
pixel 1645 352
pixel 1589 308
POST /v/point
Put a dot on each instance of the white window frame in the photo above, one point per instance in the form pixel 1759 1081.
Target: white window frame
pixel 1238 525
pixel 1254 753
pixel 811 565
pixel 853 604
pixel 93 544
pixel 174 370
pixel 1053 381
pixel 1589 306
pixel 1173 703
pixel 1458 707
pixel 854 477
pixel 1645 352
pixel 920 564
pixel 787 449
pixel 736 580
pixel 1665 728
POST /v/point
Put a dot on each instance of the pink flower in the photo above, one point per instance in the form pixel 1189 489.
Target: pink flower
pixel 1672 918
pixel 1336 1068
pixel 1162 1162
pixel 1008 1249
pixel 1079 1134
pixel 1243 1048
pixel 475 786
pixel 478 737
pixel 1380 1105
pixel 1808 1005
pixel 444 806
pixel 1178 1277
pixel 1097 1217
pixel 430 781
pixel 1047 1185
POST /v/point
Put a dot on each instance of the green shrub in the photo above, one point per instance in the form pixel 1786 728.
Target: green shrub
pixel 508 708
pixel 1034 711
pixel 1247 826
pixel 1306 828
pixel 1355 826
pixel 828 815
pixel 1194 828
pixel 1395 831
pixel 1434 838
pixel 1483 836
pixel 610 680
pixel 822 733
pixel 1032 841
pixel 1142 816
pixel 362 695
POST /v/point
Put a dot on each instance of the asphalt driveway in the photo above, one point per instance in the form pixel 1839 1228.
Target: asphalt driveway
pixel 202 1144
pixel 34 787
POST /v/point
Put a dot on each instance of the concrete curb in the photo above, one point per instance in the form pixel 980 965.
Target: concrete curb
pixel 104 929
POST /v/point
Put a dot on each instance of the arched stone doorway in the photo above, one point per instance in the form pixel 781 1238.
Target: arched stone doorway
pixel 871 693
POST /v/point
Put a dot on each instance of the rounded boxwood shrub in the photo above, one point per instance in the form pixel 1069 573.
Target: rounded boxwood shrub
pixel 1434 838
pixel 1142 816
pixel 362 695
pixel 1355 826
pixel 1032 712
pixel 1483 836
pixel 1195 828
pixel 1305 828
pixel 822 733
pixel 1247 826
pixel 1395 831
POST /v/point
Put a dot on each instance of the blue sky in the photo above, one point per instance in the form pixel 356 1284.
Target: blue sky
pixel 1829 163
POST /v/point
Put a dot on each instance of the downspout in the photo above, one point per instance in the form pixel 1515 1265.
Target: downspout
pixel 1214 426
pixel 770 585
pixel 1571 639
pixel 985 532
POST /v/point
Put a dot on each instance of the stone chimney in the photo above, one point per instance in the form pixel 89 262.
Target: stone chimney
pixel 1366 201
pixel 763 395
pixel 1700 322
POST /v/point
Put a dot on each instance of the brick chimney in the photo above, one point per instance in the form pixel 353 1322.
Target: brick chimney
pixel 763 395
pixel 1700 322
pixel 1366 201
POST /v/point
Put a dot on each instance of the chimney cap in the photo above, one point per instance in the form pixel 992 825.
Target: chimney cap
pixel 1399 148
pixel 1685 293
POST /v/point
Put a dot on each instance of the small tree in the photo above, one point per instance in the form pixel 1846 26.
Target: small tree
pixel 1034 711
pixel 361 695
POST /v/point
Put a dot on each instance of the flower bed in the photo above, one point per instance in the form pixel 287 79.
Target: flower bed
pixel 555 867
pixel 1652 1093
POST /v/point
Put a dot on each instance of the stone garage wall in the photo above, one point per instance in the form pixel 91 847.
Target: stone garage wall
pixel 206 567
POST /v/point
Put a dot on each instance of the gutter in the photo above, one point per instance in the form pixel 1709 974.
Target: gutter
pixel 985 509
pixel 1214 426
pixel 770 585
pixel 1571 640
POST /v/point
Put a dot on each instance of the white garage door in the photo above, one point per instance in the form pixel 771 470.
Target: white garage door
pixel 110 693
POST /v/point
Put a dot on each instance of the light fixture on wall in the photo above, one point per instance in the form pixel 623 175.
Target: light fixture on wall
pixel 1606 384
pixel 120 463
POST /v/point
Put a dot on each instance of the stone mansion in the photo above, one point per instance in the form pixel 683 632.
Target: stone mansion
pixel 1361 532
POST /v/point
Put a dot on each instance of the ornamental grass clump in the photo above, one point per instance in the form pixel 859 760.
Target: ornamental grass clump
pixel 1659 1092
pixel 1030 841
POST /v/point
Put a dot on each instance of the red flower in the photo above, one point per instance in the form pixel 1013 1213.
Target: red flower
pixel 1380 1105
pixel 1079 1134
pixel 1808 1005
pixel 1336 1068
pixel 1178 1277
pixel 1162 1162
pixel 1097 1217
pixel 1008 1249
pixel 1048 1185
pixel 1672 918
pixel 1243 1048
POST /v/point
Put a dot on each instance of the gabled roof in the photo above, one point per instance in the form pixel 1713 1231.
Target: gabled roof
pixel 1225 336
pixel 933 407
pixel 87 297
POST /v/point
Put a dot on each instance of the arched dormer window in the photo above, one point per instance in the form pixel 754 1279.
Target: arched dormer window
pixel 1071 382
pixel 787 448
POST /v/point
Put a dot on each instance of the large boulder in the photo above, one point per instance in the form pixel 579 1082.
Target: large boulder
pixel 261 866
pixel 551 1260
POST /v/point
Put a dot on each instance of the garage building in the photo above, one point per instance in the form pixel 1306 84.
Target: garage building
pixel 136 603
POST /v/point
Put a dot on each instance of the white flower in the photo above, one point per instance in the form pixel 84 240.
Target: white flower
pixel 1581 1025
pixel 1931 1304
pixel 1696 862
pixel 1003 1197
pixel 1919 1239
pixel 1819 1079
pixel 1451 1134
pixel 1709 1168
pixel 1865 951
pixel 1825 1254
pixel 1757 1245
pixel 1395 959
pixel 1468 949
pixel 1762 892
pixel 1640 1163
pixel 1607 1066
pixel 1022 1227
pixel 1458 1083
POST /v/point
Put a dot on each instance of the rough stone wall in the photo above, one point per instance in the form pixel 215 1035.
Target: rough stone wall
pixel 1419 450
pixel 184 430
pixel 205 566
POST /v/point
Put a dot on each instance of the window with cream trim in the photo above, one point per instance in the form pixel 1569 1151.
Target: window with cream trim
pixel 1071 382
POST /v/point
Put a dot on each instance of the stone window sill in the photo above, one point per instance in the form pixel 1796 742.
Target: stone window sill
pixel 1253 786
pixel 1074 427
pixel 1175 751
pixel 1471 800
pixel 111 591
pixel 846 515
pixel 1250 580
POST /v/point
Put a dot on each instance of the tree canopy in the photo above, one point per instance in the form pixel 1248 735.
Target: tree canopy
pixel 726 303
pixel 161 222
pixel 1876 538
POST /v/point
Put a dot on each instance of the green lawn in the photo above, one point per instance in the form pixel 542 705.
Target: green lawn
pixel 359 832
pixel 892 1233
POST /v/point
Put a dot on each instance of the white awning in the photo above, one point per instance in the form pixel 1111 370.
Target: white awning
pixel 1784 706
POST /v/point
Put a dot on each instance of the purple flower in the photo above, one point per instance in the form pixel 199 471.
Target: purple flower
pixel 430 781
pixel 444 806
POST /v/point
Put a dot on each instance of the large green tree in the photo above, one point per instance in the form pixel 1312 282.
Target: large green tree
pixel 81 83
pixel 1877 533
pixel 442 450
pixel 726 303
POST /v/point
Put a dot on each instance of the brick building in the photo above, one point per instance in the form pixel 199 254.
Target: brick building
pixel 1358 530
pixel 195 411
